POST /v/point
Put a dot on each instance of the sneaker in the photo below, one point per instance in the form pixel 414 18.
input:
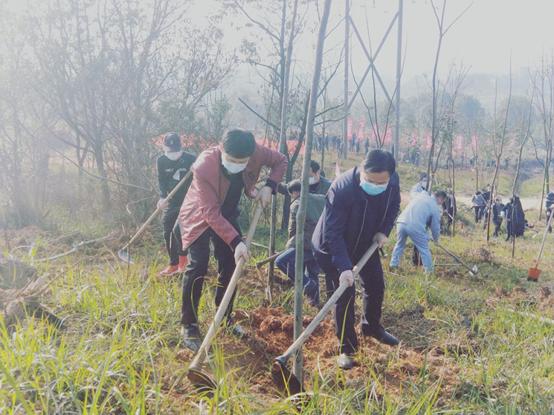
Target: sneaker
pixel 381 335
pixel 192 339
pixel 183 262
pixel 169 271
pixel 345 361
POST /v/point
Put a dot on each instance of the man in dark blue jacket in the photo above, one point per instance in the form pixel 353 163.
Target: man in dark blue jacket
pixel 361 207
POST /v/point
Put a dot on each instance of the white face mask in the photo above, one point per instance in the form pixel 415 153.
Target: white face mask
pixel 233 168
pixel 313 180
pixel 173 155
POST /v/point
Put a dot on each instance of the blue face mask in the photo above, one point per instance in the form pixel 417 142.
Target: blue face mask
pixel 372 189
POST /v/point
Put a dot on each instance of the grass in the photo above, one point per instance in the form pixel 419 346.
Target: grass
pixel 465 347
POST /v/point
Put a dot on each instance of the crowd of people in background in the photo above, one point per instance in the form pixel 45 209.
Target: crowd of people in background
pixel 332 142
pixel 511 213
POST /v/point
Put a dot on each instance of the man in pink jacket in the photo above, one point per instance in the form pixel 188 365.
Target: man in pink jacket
pixel 210 212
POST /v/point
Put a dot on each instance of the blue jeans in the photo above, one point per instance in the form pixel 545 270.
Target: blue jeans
pixel 286 263
pixel 419 237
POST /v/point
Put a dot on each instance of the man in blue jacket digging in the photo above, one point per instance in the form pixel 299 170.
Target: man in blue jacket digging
pixel 361 207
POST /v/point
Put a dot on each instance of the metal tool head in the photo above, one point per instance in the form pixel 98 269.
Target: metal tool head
pixel 284 379
pixel 201 380
pixel 124 255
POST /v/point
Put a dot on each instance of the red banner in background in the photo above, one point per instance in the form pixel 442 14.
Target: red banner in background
pixel 428 141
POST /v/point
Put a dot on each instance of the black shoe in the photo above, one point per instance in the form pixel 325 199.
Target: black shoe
pixel 382 336
pixel 192 339
pixel 346 362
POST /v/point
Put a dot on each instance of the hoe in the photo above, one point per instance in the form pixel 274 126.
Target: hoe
pixel 535 272
pixel 282 376
pixel 123 253
pixel 201 379
pixel 472 270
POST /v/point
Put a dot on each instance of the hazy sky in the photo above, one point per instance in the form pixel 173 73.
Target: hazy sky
pixel 483 38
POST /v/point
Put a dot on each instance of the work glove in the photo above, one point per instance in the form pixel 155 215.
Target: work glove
pixel 162 203
pixel 381 239
pixel 347 277
pixel 264 196
pixel 241 251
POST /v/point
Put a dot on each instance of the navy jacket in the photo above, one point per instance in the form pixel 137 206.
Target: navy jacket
pixel 351 219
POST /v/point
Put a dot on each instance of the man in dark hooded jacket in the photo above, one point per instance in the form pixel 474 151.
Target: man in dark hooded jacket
pixel 361 208
pixel 515 218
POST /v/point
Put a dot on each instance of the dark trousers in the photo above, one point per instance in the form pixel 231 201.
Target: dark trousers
pixel 172 234
pixel 416 258
pixel 197 268
pixel 373 291
pixel 509 230
pixel 497 225
pixel 286 262
pixel 478 213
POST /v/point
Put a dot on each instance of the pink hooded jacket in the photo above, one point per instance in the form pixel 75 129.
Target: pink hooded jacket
pixel 201 208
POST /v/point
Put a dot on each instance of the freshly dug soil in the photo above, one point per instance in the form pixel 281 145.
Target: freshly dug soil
pixel 273 328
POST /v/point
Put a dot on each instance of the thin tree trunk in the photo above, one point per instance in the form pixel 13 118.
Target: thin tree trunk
pixel 323 130
pixel 301 216
pixel 282 131
pixel 100 165
pixel 344 154
pixel 453 189
pixel 434 113
pixel 499 154
pixel 542 194
pixel 515 186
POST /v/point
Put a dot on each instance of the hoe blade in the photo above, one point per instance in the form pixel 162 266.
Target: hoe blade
pixel 124 255
pixel 201 380
pixel 284 379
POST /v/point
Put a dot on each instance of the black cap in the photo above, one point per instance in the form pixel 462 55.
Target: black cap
pixel 172 141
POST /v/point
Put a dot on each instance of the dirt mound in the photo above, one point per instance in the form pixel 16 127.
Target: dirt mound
pixel 23 237
pixel 270 333
pixel 273 327
pixel 483 255
pixel 540 298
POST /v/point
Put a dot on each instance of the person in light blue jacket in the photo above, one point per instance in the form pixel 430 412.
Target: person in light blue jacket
pixel 422 212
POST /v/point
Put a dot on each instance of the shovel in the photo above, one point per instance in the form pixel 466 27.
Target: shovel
pixel 200 379
pixel 472 270
pixel 282 376
pixel 123 253
pixel 534 273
